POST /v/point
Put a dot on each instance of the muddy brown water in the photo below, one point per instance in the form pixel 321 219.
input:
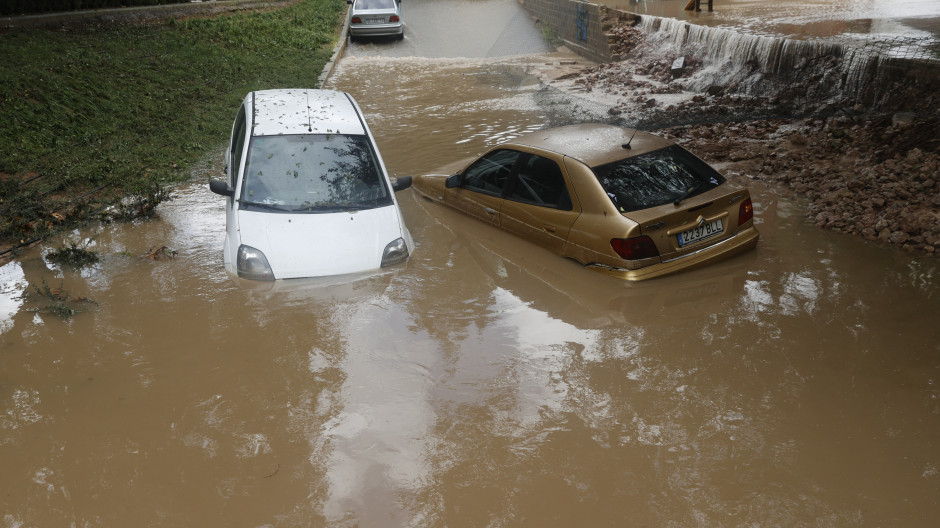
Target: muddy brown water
pixel 485 382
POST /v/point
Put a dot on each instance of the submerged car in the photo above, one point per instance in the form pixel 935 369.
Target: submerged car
pixel 375 18
pixel 624 202
pixel 308 193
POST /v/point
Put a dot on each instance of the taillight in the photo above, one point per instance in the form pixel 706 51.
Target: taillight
pixel 393 18
pixel 746 212
pixel 635 248
pixel 356 20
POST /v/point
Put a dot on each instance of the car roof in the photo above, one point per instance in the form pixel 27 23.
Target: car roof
pixel 304 111
pixel 593 144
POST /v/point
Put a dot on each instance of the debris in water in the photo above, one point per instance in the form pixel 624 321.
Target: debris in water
pixel 159 253
pixel 73 255
pixel 61 302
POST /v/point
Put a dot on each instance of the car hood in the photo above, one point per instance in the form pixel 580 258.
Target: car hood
pixel 319 245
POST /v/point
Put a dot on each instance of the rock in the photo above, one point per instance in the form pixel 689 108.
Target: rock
pixel 677 67
pixel 798 139
pixel 898 237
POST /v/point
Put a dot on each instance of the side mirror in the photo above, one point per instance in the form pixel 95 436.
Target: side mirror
pixel 221 187
pixel 401 183
pixel 349 2
pixel 452 181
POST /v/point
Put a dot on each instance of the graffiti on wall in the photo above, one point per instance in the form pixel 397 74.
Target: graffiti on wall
pixel 581 21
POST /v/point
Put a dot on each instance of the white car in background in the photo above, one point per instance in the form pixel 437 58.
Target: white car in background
pixel 375 18
pixel 308 193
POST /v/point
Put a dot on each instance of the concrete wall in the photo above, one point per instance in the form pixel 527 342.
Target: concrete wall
pixel 584 27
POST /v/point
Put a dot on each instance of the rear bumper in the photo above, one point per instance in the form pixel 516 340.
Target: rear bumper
pixel 741 242
pixel 375 30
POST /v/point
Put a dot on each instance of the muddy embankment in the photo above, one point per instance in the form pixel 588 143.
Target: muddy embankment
pixel 850 130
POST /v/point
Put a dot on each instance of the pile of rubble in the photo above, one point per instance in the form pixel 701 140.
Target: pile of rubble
pixel 875 179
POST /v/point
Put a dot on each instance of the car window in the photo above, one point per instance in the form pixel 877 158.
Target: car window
pixel 313 173
pixel 375 4
pixel 540 182
pixel 490 173
pixel 656 178
pixel 238 144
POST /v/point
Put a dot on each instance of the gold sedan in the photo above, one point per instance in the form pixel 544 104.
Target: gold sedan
pixel 620 201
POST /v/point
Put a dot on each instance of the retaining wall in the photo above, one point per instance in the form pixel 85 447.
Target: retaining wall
pixel 583 26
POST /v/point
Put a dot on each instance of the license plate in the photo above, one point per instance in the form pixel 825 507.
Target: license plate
pixel 376 20
pixel 699 233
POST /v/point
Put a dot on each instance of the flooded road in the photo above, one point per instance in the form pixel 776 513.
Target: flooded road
pixel 486 382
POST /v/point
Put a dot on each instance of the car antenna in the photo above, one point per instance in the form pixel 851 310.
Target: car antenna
pixel 309 120
pixel 627 144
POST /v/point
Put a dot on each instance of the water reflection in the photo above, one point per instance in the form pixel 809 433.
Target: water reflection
pixel 12 287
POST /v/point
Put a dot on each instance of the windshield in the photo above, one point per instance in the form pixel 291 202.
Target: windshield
pixel 656 178
pixel 312 173
pixel 375 4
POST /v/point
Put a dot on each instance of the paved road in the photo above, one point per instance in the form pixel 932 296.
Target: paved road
pixel 472 29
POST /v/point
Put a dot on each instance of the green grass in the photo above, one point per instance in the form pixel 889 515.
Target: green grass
pixel 91 114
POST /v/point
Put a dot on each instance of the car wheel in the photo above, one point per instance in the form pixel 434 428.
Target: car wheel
pixel 401 36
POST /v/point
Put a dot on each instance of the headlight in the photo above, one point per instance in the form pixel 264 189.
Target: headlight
pixel 252 264
pixel 395 252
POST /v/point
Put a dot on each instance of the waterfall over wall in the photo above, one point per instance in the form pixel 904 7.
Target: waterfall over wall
pixel 762 65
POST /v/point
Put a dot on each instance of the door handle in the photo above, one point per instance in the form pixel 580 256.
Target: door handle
pixel 549 228
pixel 489 210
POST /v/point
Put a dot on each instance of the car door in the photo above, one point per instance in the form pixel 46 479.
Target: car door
pixel 539 205
pixel 480 193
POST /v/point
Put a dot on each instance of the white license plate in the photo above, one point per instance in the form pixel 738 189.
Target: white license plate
pixel 699 233
pixel 376 20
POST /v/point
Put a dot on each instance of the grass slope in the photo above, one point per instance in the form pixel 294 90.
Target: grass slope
pixel 93 114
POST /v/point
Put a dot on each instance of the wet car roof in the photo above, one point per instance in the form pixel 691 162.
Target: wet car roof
pixel 593 143
pixel 300 111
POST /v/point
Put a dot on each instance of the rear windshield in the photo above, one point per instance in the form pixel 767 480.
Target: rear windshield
pixel 312 173
pixel 656 178
pixel 375 4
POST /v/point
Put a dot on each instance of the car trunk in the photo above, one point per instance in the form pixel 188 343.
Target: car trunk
pixel 697 223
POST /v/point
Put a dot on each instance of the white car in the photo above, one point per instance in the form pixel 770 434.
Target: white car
pixel 308 193
pixel 375 18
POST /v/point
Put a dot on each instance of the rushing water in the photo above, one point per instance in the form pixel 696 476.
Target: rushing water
pixel 485 382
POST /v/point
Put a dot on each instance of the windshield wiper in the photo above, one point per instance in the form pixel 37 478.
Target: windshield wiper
pixel 335 207
pixel 271 207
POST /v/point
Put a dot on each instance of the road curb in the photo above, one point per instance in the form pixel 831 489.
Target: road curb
pixel 338 51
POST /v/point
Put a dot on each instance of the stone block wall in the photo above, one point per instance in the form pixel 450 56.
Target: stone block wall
pixel 584 27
